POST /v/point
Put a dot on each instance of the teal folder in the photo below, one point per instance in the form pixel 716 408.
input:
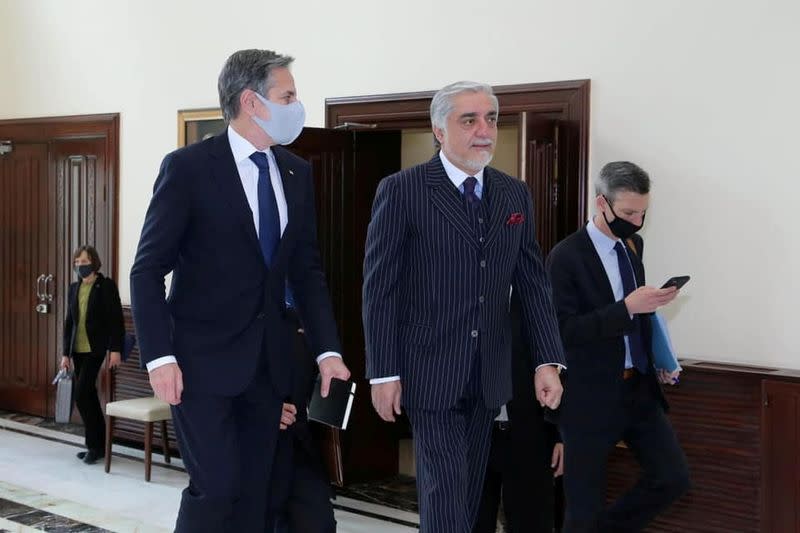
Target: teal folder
pixel 664 356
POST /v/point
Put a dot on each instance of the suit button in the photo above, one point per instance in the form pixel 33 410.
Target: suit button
pixel 483 263
pixel 480 221
pixel 474 333
pixel 481 239
pixel 261 316
pixel 481 299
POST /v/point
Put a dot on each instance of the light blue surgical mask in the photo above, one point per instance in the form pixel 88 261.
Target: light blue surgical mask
pixel 285 121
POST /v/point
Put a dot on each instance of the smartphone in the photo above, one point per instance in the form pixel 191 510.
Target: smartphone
pixel 676 281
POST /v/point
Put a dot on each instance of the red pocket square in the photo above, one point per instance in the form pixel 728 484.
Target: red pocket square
pixel 515 218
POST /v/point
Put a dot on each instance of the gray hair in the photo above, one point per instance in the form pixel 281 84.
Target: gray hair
pixel 442 103
pixel 621 176
pixel 247 69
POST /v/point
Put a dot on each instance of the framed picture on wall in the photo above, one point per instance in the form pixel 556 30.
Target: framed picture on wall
pixel 199 124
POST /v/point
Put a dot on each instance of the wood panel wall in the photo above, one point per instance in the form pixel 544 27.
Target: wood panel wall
pixel 716 411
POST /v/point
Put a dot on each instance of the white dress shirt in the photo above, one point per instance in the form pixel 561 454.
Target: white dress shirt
pixel 242 149
pixel 604 245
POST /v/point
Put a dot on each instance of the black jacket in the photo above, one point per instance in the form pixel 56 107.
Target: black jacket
pixel 593 326
pixel 104 324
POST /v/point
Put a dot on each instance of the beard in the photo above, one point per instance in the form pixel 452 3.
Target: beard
pixel 475 164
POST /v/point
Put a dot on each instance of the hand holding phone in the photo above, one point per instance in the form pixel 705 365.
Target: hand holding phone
pixel 676 281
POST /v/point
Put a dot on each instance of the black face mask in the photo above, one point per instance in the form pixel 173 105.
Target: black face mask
pixel 84 271
pixel 619 227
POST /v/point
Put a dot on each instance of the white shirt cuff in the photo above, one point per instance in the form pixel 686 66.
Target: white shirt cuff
pixel 557 365
pixel 325 355
pixel 502 416
pixel 161 361
pixel 378 381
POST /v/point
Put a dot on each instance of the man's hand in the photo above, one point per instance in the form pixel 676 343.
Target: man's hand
pixel 557 462
pixel 66 362
pixel 332 367
pixel 288 415
pixel 648 299
pixel 548 386
pixel 668 378
pixel 114 359
pixel 167 383
pixel 386 399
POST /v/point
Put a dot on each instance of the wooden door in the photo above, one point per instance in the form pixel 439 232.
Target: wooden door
pixel 27 338
pixel 780 466
pixel 57 191
pixel 541 136
pixel 347 167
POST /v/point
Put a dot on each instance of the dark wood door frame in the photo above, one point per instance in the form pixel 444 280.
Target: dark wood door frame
pixel 565 100
pixel 48 129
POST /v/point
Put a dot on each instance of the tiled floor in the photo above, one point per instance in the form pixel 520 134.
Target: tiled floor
pixel 43 487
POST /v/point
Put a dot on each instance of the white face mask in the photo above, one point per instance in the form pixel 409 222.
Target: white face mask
pixel 285 121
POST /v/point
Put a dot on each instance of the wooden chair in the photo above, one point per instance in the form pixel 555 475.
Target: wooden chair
pixel 147 410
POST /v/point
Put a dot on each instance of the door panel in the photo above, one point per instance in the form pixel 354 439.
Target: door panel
pixel 26 222
pixel 347 167
pixel 330 153
pixel 542 177
pixel 780 419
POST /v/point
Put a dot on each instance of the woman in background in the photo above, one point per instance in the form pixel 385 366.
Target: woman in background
pixel 92 327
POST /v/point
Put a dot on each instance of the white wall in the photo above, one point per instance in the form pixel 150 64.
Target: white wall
pixel 701 93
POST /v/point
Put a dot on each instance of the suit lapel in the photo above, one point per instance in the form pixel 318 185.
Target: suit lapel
pixel 94 294
pixel 73 300
pixel 447 198
pixel 636 261
pixel 596 269
pixel 291 192
pixel 497 199
pixel 225 175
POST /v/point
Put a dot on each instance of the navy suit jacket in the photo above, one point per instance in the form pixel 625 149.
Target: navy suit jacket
pixel 224 300
pixel 593 326
pixel 429 285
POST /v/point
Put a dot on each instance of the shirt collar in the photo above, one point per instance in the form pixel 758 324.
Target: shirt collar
pixel 242 148
pixel 602 242
pixel 456 175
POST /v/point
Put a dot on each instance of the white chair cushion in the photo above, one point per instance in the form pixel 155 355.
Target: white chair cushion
pixel 143 409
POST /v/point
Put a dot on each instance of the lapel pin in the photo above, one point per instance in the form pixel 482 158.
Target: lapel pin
pixel 291 172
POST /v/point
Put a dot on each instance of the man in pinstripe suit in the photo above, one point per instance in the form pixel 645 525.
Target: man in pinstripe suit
pixel 447 240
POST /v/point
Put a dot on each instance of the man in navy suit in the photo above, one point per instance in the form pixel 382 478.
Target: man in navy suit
pixel 232 218
pixel 446 241
pixel 613 391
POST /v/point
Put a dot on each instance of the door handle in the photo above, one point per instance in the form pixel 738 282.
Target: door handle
pixel 42 294
pixel 39 286
pixel 48 293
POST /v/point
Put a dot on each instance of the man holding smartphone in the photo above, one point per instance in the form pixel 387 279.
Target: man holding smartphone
pixel 613 391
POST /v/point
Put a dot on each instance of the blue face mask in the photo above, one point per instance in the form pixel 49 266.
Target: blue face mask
pixel 285 121
pixel 84 271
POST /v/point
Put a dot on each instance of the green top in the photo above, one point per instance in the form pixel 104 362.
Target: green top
pixel 81 338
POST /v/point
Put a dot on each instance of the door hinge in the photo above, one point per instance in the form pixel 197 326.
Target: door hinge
pixel 6 147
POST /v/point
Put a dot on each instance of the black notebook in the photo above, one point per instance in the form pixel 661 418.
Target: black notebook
pixel 335 409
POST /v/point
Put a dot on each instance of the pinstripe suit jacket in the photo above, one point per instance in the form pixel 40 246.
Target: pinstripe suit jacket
pixel 434 295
